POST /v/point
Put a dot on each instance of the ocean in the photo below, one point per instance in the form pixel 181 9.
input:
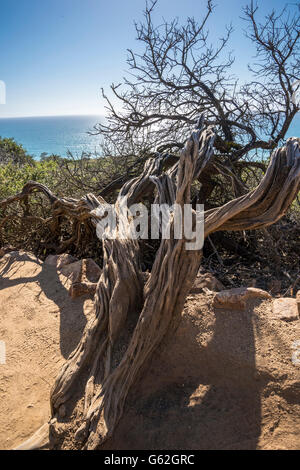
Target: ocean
pixel 58 134
pixel 53 135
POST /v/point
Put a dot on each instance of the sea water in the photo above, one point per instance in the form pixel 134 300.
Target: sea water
pixel 53 135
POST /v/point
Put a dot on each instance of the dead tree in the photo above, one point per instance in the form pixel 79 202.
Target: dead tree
pixel 180 71
pixel 131 317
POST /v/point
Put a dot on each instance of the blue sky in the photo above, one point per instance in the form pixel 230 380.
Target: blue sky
pixel 55 55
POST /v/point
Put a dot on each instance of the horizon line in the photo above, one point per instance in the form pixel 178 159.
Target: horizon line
pixel 51 115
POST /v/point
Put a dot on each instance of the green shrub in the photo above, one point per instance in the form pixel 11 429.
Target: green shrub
pixel 13 177
pixel 11 151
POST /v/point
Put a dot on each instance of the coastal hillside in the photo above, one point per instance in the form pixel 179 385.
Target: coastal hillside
pixel 150 226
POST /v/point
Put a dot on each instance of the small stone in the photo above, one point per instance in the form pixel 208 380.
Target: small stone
pixel 60 260
pixel 84 275
pixel 78 289
pixel 236 298
pixel 206 281
pixel 85 269
pixel 286 308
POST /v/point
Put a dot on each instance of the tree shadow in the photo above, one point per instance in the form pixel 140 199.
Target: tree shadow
pixel 200 391
pixel 71 311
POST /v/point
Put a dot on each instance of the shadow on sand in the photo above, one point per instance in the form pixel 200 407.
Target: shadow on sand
pixel 71 312
pixel 200 391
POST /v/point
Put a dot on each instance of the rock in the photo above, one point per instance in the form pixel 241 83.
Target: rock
pixel 286 309
pixel 84 275
pixel 208 281
pixel 236 298
pixel 60 260
pixel 78 289
pixel 85 268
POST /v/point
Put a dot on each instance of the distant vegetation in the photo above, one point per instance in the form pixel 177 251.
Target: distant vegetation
pixel 17 167
pixel 74 177
pixel 11 151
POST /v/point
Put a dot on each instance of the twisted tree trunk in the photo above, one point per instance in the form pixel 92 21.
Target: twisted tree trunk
pixel 131 316
pixel 120 291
